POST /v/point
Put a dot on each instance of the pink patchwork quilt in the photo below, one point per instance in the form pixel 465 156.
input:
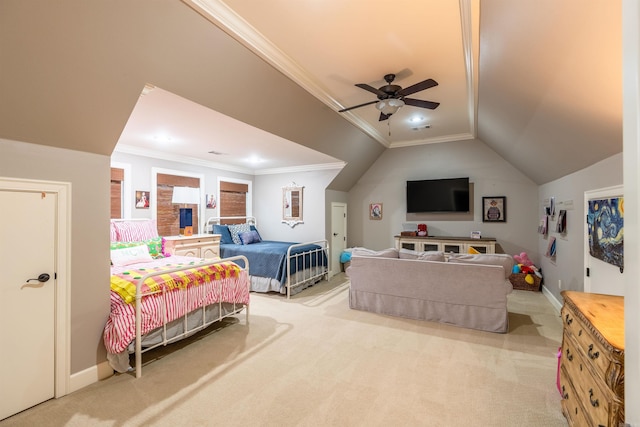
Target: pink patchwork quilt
pixel 171 295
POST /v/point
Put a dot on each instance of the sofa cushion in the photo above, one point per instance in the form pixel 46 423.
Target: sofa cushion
pixel 423 256
pixel 385 253
pixel 504 260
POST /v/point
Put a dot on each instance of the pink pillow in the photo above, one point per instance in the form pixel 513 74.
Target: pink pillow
pixel 113 234
pixel 136 231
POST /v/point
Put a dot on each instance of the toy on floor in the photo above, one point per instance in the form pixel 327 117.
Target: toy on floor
pixel 523 259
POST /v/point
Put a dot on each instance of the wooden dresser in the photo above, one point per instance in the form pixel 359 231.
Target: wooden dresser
pixel 592 362
pixel 198 245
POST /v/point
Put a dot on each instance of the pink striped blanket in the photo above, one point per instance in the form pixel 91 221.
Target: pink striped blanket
pixel 172 294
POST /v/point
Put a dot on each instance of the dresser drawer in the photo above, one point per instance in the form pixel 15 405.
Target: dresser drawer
pixel 570 404
pixel 589 388
pixel 586 342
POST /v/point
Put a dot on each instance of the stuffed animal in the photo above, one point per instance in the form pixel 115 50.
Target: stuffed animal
pixel 523 259
pixel 526 269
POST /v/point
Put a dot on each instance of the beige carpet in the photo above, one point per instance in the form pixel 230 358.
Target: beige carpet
pixel 312 361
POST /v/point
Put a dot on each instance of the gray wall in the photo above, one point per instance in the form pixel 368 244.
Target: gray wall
pixel 268 205
pixel 89 281
pixel 569 262
pixel 490 174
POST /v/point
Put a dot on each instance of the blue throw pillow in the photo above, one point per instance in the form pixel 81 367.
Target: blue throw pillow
pixel 253 228
pixel 225 234
pixel 249 237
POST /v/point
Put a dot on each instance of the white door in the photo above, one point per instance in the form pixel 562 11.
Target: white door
pixel 338 234
pixel 27 307
pixel 603 278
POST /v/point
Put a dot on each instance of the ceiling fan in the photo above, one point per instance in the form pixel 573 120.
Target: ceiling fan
pixel 392 97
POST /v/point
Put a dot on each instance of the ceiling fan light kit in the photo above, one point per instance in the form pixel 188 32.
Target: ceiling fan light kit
pixel 392 97
pixel 389 106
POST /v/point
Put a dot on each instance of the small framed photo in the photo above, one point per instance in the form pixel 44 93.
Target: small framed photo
pixel 375 211
pixel 476 235
pixel 142 200
pixel 211 201
pixel 494 209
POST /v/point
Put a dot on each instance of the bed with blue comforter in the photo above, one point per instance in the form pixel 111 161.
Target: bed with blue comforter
pixel 284 267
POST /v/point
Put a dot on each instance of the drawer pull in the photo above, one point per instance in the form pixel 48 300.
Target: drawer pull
pixel 591 354
pixel 565 395
pixel 594 403
pixel 569 321
pixel 569 356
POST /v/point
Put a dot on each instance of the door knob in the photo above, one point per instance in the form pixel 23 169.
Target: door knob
pixel 44 277
pixel 335 234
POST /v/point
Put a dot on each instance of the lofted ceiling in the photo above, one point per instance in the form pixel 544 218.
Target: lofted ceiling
pixel 538 81
pixel 330 46
pixel 550 88
pixel 332 50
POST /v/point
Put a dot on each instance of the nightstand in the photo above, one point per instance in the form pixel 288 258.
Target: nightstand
pixel 198 246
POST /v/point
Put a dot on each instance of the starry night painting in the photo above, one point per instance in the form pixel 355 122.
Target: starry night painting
pixel 605 224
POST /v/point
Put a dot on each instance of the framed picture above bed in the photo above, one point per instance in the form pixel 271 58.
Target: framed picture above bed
pixel 142 199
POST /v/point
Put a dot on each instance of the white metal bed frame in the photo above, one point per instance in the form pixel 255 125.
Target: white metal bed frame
pixel 237 308
pixel 315 254
pixel 186 331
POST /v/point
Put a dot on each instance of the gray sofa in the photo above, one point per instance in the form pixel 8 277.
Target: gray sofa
pixel 464 290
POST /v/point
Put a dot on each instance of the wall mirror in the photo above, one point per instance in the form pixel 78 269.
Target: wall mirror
pixel 292 204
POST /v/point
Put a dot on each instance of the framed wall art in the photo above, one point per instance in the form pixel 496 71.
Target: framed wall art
pixel 375 211
pixel 211 201
pixel 142 200
pixel 494 209
pixel 605 225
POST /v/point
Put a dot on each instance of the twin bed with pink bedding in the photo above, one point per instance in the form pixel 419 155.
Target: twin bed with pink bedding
pixel 156 300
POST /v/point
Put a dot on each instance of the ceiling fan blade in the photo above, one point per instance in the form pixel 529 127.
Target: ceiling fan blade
pixel 420 103
pixel 380 94
pixel 426 84
pixel 357 106
pixel 384 116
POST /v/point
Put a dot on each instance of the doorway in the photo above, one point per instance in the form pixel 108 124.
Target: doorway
pixel 34 357
pixel 338 234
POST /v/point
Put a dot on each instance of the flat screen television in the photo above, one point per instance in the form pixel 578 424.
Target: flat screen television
pixel 438 195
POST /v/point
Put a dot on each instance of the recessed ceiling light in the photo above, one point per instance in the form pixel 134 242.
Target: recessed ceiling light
pixel 416 119
pixel 162 138
pixel 255 160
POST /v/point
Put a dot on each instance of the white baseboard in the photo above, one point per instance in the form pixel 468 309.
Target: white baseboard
pixel 552 299
pixel 89 376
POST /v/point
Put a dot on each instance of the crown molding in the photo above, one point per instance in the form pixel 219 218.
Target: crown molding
pixel 303 168
pixel 137 151
pixel 436 140
pixel 470 27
